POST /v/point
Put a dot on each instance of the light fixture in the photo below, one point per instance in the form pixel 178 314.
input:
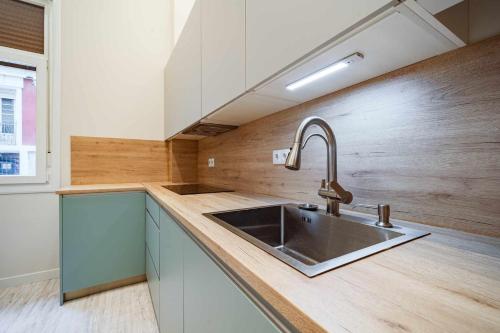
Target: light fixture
pixel 336 66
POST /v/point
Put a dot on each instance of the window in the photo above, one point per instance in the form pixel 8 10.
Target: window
pixel 9 163
pixel 7 120
pixel 23 93
pixel 17 121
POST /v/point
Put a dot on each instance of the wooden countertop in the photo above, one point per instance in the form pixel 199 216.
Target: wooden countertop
pixel 446 282
pixel 100 188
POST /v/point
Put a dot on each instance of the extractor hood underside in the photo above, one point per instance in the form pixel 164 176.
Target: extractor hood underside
pixel 208 129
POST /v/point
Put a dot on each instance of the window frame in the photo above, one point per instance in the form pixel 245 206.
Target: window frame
pixel 52 52
pixel 40 62
pixel 51 144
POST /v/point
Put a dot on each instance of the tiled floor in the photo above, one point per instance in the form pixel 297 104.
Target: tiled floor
pixel 35 308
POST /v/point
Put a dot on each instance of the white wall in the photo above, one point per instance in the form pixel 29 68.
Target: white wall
pixel 113 55
pixel 181 10
pixel 29 222
pixel 29 237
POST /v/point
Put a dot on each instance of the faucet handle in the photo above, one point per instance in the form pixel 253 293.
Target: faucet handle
pixel 345 196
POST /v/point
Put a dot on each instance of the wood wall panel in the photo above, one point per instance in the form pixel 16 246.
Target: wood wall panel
pixel 183 161
pixel 424 139
pixel 109 161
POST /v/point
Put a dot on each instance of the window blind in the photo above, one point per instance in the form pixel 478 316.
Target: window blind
pixel 22 26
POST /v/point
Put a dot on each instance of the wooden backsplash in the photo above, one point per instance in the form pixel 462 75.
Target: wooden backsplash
pixel 183 161
pixel 425 139
pixel 109 161
pixel 97 160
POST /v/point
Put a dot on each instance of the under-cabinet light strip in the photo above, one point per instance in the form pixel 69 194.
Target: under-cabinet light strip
pixel 336 66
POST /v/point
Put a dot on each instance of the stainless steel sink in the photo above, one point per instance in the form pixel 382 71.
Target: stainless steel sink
pixel 311 241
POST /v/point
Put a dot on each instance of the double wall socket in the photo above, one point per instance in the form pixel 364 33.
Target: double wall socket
pixel 211 162
pixel 279 156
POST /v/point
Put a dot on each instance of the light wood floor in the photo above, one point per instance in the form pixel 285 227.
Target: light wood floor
pixel 35 308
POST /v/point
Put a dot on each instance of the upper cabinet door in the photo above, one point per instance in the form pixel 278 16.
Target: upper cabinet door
pixel 183 77
pixel 280 32
pixel 223 52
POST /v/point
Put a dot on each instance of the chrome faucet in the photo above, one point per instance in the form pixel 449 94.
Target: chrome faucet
pixel 330 188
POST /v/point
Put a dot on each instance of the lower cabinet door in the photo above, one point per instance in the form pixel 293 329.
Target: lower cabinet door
pixel 154 285
pixel 213 303
pixel 153 241
pixel 171 273
pixel 102 238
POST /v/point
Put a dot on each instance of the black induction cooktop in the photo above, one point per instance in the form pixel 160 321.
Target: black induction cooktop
pixel 195 189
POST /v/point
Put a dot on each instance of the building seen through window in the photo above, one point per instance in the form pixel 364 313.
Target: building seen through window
pixel 17 120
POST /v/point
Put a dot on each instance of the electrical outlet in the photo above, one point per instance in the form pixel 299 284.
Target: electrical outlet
pixel 279 156
pixel 211 162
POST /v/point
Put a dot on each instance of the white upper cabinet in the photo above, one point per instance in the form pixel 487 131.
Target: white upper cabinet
pixel 249 107
pixel 223 52
pixel 394 39
pixel 235 58
pixel 183 77
pixel 279 32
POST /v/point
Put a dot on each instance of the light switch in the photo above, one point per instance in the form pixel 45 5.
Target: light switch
pixel 280 155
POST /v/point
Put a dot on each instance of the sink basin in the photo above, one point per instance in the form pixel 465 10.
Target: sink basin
pixel 311 241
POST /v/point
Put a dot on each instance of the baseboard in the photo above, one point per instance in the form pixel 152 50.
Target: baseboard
pixel 70 295
pixel 29 278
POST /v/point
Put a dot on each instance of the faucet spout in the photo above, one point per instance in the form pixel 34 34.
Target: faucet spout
pixel 331 190
pixel 294 157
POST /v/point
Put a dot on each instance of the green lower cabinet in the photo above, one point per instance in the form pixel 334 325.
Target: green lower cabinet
pixel 153 241
pixel 153 284
pixel 213 303
pixel 171 273
pixel 102 238
pixel 195 294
